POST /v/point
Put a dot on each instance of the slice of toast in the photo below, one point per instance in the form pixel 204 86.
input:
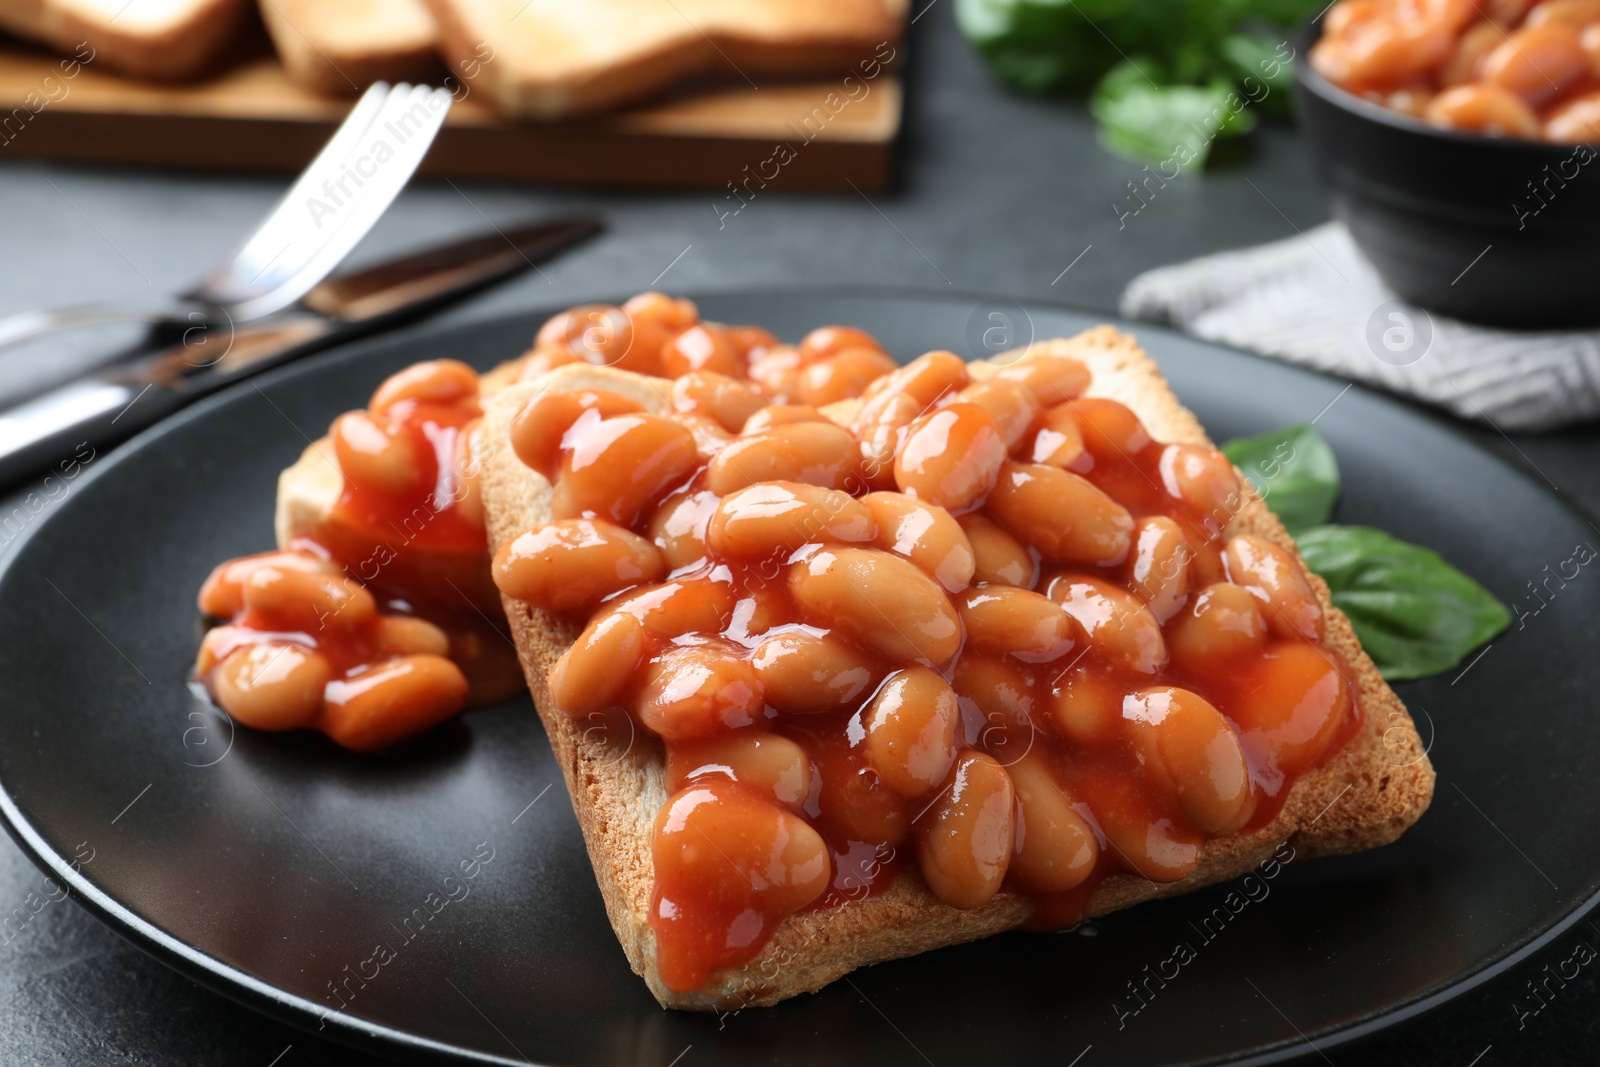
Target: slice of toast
pixel 160 40
pixel 1363 796
pixel 550 59
pixel 337 49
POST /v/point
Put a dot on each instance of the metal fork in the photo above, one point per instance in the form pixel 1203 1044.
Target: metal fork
pixel 327 211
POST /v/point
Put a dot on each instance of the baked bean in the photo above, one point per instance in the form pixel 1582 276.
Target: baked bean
pixel 1059 442
pixel 1026 625
pixel 1291 703
pixel 1203 479
pixel 804 673
pixel 1344 17
pixel 816 453
pixel 878 600
pixel 1466 62
pixel 997 705
pixel 1393 51
pixel 761 607
pixel 1158 566
pixel 1205 562
pixel 655 320
pixel 764 761
pixel 222 594
pixel 1275 577
pixel 435 381
pixel 1153 847
pixel 880 437
pixel 601 334
pixel 1537 62
pixel 843 375
pixel 1483 108
pixel 749 341
pixel 1087 705
pixel 1194 755
pixel 910 728
pixel 272 685
pixel 1110 429
pixel 777 371
pixel 951 457
pixel 1052 379
pixel 290 598
pixel 1066 517
pixel 540 361
pixel 1412 100
pixel 406 635
pixel 539 430
pixel 1010 403
pixel 678 526
pixel 1573 13
pixel 925 534
pixel 1224 623
pixel 372 458
pixel 698 690
pixel 854 804
pixel 827 341
pixel 1508 12
pixel 701 348
pixel 775 518
pixel 687 606
pixel 380 705
pixel 592 674
pixel 727 401
pixel 927 379
pixel 1578 120
pixel 730 843
pixel 1054 849
pixel 781 415
pixel 618 468
pixel 1115 622
pixel 574 563
pixel 998 558
pixel 964 843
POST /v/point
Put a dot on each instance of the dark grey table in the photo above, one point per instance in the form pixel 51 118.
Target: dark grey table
pixel 997 195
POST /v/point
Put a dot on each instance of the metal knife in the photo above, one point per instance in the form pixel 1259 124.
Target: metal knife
pixel 117 403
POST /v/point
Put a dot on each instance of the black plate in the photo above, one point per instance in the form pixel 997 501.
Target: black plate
pixel 271 866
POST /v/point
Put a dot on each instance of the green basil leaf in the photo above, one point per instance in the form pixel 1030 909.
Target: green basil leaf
pixel 1172 124
pixel 1415 614
pixel 1293 469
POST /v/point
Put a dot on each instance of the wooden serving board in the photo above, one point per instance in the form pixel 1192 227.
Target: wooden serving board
pixel 253 118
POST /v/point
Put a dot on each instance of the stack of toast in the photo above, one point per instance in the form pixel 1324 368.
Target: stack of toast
pixel 543 59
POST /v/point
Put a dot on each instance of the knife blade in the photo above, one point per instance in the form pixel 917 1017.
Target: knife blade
pixel 118 402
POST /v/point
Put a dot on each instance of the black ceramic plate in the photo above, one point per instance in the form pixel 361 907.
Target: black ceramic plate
pixel 279 869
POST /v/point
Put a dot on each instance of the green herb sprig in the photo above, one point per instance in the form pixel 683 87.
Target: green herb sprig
pixel 1167 78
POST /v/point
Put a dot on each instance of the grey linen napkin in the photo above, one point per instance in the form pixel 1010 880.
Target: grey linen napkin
pixel 1312 299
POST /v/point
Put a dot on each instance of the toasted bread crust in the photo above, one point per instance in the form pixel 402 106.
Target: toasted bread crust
pixel 175 48
pixel 340 49
pixel 557 59
pixel 1365 795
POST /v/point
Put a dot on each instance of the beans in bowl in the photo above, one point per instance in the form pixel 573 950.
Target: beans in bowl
pixel 1505 68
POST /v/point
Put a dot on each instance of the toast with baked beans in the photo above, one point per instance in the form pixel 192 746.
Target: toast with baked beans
pixel 969 648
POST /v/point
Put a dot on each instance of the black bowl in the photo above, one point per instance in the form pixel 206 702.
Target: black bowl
pixel 1493 230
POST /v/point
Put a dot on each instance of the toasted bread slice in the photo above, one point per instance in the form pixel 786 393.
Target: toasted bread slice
pixel 341 48
pixel 1363 796
pixel 162 40
pixel 553 58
